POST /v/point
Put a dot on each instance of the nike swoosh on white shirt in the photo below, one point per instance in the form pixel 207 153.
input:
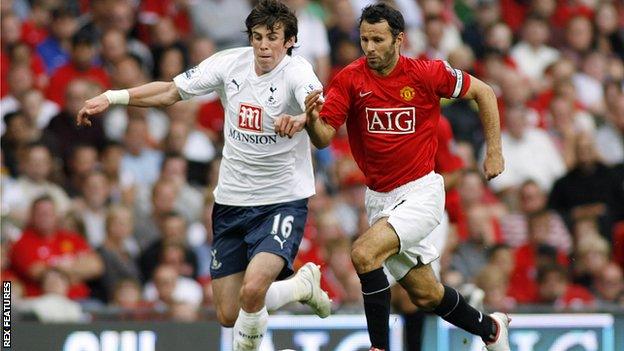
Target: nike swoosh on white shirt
pixel 364 94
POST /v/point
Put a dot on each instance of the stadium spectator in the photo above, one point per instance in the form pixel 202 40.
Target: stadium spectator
pixel 122 17
pixel 221 21
pixel 80 163
pixel 495 283
pixel 147 227
pixel 91 206
pixel 122 183
pixel 114 48
pixel 127 295
pixel 19 80
pixel 140 160
pixel 19 133
pixel 167 287
pixel 37 109
pixel 118 253
pixel 532 54
pixel 589 190
pixel 529 154
pixel 45 245
pixel 62 133
pixel 533 199
pixel 53 305
pixel 567 122
pixel 609 286
pixel 591 257
pixel 35 170
pixel 487 15
pixel 55 49
pixel 555 289
pixel 610 136
pixel 531 257
pixel 81 65
pixel 166 249
pixel 470 257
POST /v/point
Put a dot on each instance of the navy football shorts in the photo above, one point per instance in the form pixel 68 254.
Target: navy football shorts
pixel 240 232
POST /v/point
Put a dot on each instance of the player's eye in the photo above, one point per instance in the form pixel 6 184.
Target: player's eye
pixel 272 37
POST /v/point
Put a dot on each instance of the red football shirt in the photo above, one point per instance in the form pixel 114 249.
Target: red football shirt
pixel 392 120
pixel 65 74
pixel 31 248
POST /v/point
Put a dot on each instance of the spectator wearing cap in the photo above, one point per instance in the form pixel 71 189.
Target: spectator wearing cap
pixel 81 65
pixel 56 48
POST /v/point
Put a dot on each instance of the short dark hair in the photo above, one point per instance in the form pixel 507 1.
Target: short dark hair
pixel 380 12
pixel 272 13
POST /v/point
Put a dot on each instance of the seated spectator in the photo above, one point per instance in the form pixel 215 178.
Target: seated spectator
pixel 529 154
pixel 122 183
pixel 189 200
pixel 591 256
pixel 167 288
pixel 567 122
pixel 147 225
pixel 473 192
pixel 127 295
pixel 495 284
pixel 19 133
pixel 555 289
pixel 532 199
pixel 54 50
pixel 609 285
pixel 19 80
pixel 81 65
pixel 470 257
pixel 53 305
pixel 80 163
pixel 530 257
pixel 173 232
pixel 37 109
pixel 118 253
pixel 589 190
pixel 91 207
pixel 62 133
pixel 45 245
pixel 114 49
pixel 610 136
pixel 140 160
pixel 33 182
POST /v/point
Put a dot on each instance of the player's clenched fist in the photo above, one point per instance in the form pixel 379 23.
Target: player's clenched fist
pixel 494 165
pixel 92 107
pixel 287 125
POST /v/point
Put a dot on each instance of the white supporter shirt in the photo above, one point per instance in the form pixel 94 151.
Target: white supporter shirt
pixel 258 166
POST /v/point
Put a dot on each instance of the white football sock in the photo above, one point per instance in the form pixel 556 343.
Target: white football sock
pixel 249 330
pixel 286 291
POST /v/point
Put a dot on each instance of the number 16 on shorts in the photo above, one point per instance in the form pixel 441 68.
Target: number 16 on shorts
pixel 282 227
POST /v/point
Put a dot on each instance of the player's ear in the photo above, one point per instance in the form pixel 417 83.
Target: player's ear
pixel 399 39
pixel 290 43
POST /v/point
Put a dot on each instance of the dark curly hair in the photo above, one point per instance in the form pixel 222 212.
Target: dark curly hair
pixel 272 13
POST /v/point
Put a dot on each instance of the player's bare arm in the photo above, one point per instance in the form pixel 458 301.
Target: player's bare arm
pixel 154 94
pixel 320 132
pixel 488 111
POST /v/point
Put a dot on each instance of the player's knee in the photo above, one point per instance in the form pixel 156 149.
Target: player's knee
pixel 252 294
pixel 361 258
pixel 427 298
pixel 226 318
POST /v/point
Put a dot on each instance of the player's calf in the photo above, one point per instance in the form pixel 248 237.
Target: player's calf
pixel 427 297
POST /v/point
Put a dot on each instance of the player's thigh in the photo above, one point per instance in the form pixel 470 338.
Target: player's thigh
pixel 377 243
pixel 225 292
pixel 262 271
pixel 278 230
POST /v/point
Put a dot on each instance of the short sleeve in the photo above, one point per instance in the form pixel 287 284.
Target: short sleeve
pixel 203 78
pixel 304 81
pixel 447 82
pixel 337 102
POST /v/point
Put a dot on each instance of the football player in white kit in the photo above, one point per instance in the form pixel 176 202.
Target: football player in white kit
pixel 265 178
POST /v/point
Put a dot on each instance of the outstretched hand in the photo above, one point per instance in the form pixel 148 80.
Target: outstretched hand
pixel 92 107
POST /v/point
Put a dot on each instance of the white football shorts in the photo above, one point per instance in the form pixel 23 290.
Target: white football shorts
pixel 414 210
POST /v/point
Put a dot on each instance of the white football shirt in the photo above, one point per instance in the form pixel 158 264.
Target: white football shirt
pixel 258 166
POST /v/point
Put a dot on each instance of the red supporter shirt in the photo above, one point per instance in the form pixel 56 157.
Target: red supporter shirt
pixel 392 120
pixel 31 248
pixel 447 161
pixel 65 74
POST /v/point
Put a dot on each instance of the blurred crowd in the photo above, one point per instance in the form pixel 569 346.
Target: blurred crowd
pixel 119 214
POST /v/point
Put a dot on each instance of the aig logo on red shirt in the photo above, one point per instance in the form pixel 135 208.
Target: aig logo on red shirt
pixel 250 117
pixel 400 120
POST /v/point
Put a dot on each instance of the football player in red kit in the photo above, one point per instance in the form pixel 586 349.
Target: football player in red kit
pixel 391 106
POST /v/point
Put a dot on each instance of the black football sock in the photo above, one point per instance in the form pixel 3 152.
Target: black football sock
pixel 455 310
pixel 376 291
pixel 414 324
